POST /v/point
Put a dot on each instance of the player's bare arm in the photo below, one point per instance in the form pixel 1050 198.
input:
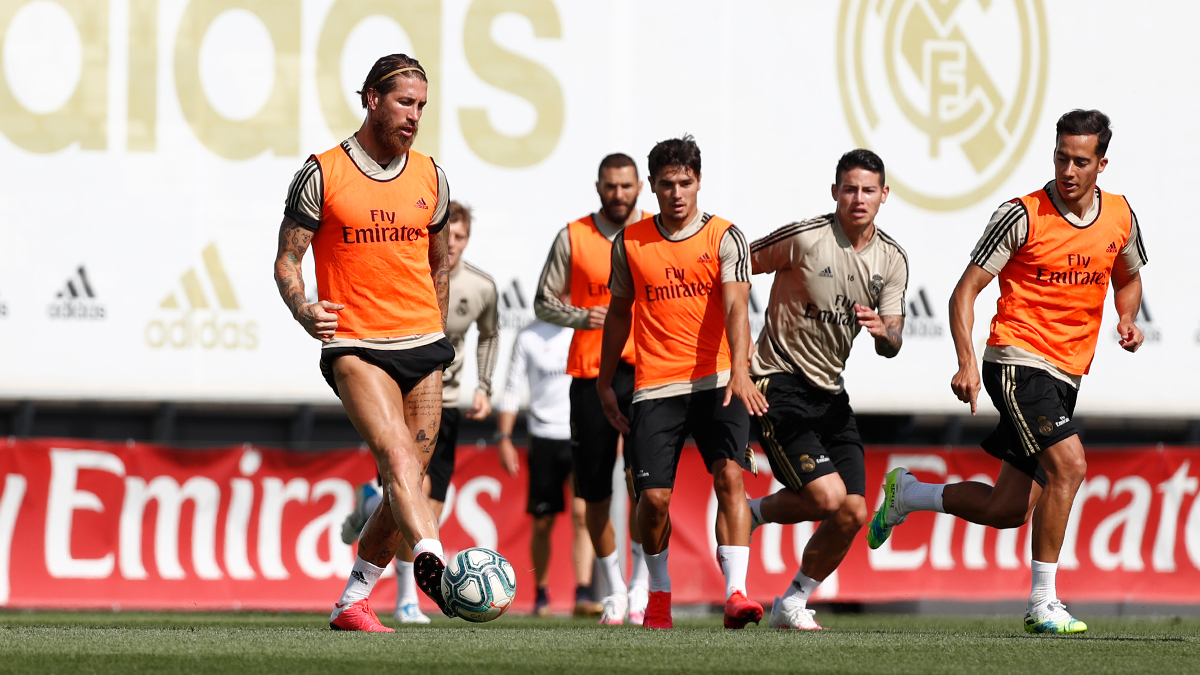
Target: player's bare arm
pixel 736 296
pixel 1127 296
pixel 617 324
pixel 888 331
pixel 507 453
pixel 965 383
pixel 439 269
pixel 318 318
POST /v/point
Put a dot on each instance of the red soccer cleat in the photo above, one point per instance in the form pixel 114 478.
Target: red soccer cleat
pixel 740 610
pixel 358 617
pixel 658 611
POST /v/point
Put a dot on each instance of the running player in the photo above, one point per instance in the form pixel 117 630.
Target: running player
pixel 473 301
pixel 834 275
pixel 681 281
pixel 1055 251
pixel 375 213
pixel 578 268
pixel 539 358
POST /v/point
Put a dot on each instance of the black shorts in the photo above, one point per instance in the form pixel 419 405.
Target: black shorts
pixel 1035 413
pixel 549 469
pixel 441 464
pixel 660 425
pixel 406 366
pixel 808 433
pixel 593 439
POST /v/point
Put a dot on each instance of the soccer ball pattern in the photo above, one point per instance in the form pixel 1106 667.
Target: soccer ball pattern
pixel 479 584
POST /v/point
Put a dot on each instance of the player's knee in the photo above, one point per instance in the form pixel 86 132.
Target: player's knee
pixel 543 524
pixel 852 514
pixel 656 501
pixel 727 479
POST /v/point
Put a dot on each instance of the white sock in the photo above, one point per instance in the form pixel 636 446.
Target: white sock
pixel 610 567
pixel 800 590
pixel 358 586
pixel 734 562
pixel 406 584
pixel 432 545
pixel 656 565
pixel 923 497
pixel 756 510
pixel 1043 590
pixel 638 574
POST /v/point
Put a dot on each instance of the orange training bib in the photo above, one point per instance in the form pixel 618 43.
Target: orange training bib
pixel 1052 290
pixel 678 309
pixel 591 263
pixel 372 248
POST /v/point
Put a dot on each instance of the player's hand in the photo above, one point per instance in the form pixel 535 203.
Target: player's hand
pixel 1131 336
pixel 612 411
pixel 596 316
pixel 869 319
pixel 319 318
pixel 741 386
pixel 965 385
pixel 482 407
pixel 508 457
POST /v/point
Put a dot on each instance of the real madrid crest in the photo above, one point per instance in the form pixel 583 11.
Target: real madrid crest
pixel 955 87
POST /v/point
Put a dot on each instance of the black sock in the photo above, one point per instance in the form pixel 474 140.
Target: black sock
pixel 583 594
pixel 543 595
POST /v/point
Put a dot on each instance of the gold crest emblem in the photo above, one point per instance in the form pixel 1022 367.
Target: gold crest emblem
pixel 947 91
pixel 807 464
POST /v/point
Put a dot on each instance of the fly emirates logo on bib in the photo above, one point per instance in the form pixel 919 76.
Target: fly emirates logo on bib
pixel 203 312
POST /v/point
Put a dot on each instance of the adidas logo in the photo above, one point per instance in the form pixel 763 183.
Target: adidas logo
pixel 827 272
pixel 77 299
pixel 1112 248
pixel 200 304
pixel 705 258
pixel 421 204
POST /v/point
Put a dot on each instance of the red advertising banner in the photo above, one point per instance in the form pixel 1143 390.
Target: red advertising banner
pixel 88 524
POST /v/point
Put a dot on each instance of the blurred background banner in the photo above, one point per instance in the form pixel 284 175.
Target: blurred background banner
pixel 148 146
pixel 98 525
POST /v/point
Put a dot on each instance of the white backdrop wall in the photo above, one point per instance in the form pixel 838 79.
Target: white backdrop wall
pixel 148 144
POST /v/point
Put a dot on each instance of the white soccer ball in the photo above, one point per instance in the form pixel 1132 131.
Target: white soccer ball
pixel 479 584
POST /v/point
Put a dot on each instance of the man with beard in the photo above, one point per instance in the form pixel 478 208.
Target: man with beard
pixel 375 212
pixel 578 269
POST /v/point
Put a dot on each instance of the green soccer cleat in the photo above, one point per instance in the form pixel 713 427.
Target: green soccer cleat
pixel 888 515
pixel 1054 619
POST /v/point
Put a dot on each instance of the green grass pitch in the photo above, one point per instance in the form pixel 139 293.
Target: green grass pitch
pixel 135 642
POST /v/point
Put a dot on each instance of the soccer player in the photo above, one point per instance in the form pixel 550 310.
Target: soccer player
pixel 1055 251
pixel 539 358
pixel 473 299
pixel 375 212
pixel 834 276
pixel 681 281
pixel 578 268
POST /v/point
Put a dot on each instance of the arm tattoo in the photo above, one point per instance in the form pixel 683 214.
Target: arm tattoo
pixel 293 242
pixel 889 344
pixel 439 270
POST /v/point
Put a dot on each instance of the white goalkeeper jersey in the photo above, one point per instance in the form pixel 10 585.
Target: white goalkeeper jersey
pixel 539 359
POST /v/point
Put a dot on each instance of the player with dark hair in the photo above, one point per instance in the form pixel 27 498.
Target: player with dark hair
pixel 834 276
pixel 1055 252
pixel 681 282
pixel 578 268
pixel 375 211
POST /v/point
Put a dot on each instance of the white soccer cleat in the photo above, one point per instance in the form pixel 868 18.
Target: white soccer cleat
pixel 615 609
pixel 410 613
pixel 1052 617
pixel 639 597
pixel 796 618
pixel 353 524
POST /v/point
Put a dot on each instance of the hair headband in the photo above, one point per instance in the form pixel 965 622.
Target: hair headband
pixel 397 72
